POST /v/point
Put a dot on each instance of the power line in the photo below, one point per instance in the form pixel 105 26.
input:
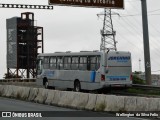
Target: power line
pixel 129 43
pixel 139 14
pixel 156 71
pixel 151 35
pixel 141 32
pixel 130 24
pixel 133 27
pixel 154 10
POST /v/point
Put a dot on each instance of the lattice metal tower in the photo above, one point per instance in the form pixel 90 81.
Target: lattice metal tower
pixel 107 33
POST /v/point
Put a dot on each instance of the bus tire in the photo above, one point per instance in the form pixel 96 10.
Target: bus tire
pixel 77 86
pixel 46 84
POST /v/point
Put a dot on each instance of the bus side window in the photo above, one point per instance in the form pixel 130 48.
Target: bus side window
pixel 93 62
pixel 46 63
pixel 75 61
pixel 53 63
pixel 83 63
pixel 60 63
pixel 67 63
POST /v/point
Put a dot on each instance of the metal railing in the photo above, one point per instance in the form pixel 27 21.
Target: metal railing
pixel 146 87
pixel 18 80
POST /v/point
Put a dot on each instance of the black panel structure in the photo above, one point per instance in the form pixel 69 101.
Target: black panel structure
pixel 24 43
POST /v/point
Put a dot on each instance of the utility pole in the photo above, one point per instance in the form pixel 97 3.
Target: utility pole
pixel 146 43
pixel 107 33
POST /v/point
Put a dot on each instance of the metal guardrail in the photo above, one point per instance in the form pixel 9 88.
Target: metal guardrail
pixel 18 80
pixel 146 87
pixel 142 91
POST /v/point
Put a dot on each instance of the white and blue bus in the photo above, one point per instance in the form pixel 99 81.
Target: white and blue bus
pixel 84 70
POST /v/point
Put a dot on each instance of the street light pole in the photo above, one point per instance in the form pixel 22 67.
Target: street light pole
pixel 146 43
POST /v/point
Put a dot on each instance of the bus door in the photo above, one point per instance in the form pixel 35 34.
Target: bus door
pixel 93 64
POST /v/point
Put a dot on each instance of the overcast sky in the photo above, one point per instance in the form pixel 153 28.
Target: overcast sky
pixel 78 28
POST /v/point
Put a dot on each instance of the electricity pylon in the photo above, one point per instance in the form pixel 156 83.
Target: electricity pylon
pixel 108 41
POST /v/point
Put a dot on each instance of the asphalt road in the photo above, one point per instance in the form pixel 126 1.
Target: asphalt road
pixel 55 113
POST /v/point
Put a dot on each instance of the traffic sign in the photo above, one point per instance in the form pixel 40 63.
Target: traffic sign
pixel 113 4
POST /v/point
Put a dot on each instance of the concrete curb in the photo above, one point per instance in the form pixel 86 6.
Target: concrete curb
pixel 50 97
pixel 130 103
pixel 1 90
pixel 9 91
pixel 66 99
pixel 15 91
pixel 57 97
pixel 96 102
pixel 33 94
pixel 42 95
pixel 114 103
pixel 91 102
pixel 5 90
pixel 148 104
pixel 25 93
pixel 80 100
pixel 100 103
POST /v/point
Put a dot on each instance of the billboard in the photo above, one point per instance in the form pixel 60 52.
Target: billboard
pixel 113 4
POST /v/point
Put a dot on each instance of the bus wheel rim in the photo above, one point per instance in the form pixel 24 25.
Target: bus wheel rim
pixel 77 87
pixel 46 85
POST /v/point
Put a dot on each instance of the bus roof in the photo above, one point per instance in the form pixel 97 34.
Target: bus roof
pixel 70 53
pixel 81 53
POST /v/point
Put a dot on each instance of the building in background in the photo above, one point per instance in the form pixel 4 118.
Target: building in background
pixel 24 43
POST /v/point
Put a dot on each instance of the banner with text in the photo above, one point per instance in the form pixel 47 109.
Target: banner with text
pixel 113 4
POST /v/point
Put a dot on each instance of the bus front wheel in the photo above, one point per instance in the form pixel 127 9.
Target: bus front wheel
pixel 77 86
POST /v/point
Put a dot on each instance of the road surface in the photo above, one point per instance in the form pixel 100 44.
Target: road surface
pixel 58 113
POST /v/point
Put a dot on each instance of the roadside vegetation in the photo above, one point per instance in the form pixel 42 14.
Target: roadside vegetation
pixel 137 80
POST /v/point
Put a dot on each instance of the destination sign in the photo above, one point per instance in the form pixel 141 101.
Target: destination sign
pixel 113 4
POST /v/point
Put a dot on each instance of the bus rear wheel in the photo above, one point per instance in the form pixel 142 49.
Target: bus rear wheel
pixel 77 86
pixel 45 83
